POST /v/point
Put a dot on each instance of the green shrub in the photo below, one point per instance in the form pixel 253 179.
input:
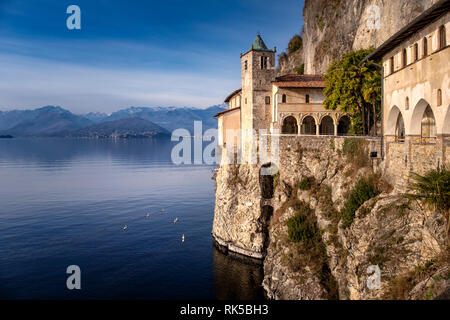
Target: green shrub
pixel 300 69
pixel 276 179
pixel 364 190
pixel 302 227
pixel 295 43
pixel 305 183
pixel 434 189
pixel 355 151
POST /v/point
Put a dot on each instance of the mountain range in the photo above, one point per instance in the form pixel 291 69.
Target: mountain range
pixel 130 122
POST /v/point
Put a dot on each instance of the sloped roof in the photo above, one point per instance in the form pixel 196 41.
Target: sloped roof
pixel 218 114
pixel 231 95
pixel 258 44
pixel 427 17
pixel 300 81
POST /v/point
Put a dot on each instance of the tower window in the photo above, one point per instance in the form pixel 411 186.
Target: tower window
pixel 439 97
pixel 245 100
pixel 442 38
pixel 405 58
pixel 416 52
pixel 263 62
pixel 267 100
pixel 407 104
pixel 283 98
pixel 425 47
pixel 245 64
pixel 392 64
pixel 307 98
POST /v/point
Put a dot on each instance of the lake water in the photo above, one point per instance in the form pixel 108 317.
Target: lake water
pixel 65 202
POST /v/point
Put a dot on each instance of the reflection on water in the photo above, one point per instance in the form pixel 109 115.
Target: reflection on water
pixel 65 201
pixel 237 277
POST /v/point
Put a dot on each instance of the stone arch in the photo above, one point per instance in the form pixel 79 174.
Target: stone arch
pixel 391 124
pixel 343 125
pixel 400 128
pixel 290 125
pixel 415 125
pixel 266 176
pixel 326 126
pixel 428 124
pixel 308 125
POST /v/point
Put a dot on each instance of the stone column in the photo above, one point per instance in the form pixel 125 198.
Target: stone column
pixel 335 128
pixel 317 129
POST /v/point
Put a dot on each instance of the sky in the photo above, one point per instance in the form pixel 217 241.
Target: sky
pixel 133 53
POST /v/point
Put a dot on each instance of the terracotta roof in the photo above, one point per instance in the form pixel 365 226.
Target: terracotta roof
pixel 300 81
pixel 427 17
pixel 225 111
pixel 227 99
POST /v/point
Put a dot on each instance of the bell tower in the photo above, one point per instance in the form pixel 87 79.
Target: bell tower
pixel 257 74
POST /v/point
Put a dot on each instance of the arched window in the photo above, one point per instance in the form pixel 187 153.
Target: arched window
pixel 307 98
pixel 309 125
pixel 439 97
pixel 283 98
pixel 263 62
pixel 416 52
pixel 344 125
pixel 327 126
pixel 428 124
pixel 400 129
pixel 289 126
pixel 407 104
pixel 425 47
pixel 404 58
pixel 442 38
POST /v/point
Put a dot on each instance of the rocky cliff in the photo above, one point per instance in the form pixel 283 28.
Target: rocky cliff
pixel 333 27
pixel 336 258
pixel 402 238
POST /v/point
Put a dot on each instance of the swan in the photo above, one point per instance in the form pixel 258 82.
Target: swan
pixel 175 220
pixel 182 238
pixel 125 227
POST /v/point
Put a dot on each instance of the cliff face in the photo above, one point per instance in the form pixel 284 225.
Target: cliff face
pixel 333 27
pixel 400 237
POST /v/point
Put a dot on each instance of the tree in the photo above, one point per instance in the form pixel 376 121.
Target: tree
pixel 433 188
pixel 295 43
pixel 353 86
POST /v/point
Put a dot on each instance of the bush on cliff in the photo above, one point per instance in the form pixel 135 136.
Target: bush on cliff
pixel 295 43
pixel 364 190
pixel 302 227
pixel 434 189
pixel 355 151
pixel 306 183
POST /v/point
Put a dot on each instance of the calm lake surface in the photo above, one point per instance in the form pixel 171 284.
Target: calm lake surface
pixel 65 202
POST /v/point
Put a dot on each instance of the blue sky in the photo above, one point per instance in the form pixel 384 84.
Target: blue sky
pixel 140 53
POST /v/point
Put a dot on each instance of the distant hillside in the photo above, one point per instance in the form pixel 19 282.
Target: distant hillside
pixel 50 121
pixel 43 121
pixel 122 128
pixel 172 118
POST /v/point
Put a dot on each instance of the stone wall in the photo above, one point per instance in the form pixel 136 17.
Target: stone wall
pixel 412 155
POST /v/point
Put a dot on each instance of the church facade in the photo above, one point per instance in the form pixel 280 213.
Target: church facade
pixel 416 86
pixel 286 105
